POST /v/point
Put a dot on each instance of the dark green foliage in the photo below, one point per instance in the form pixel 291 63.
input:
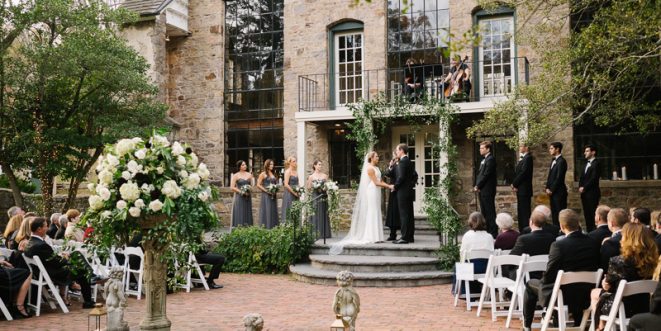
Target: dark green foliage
pixel 448 255
pixel 26 186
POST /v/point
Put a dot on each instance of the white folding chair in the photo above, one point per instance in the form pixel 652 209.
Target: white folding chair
pixel 617 314
pixel 557 301
pixel 464 272
pixel 97 267
pixel 494 281
pixel 193 265
pixel 522 277
pixel 43 280
pixel 4 310
pixel 138 273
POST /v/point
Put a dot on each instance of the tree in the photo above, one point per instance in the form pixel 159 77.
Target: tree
pixel 605 71
pixel 70 84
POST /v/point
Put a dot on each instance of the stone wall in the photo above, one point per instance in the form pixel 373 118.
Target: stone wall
pixel 195 84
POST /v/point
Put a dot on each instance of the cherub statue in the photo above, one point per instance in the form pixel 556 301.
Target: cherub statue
pixel 347 302
pixel 116 300
pixel 253 322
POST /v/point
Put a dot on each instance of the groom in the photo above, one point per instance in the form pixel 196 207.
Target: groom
pixel 404 187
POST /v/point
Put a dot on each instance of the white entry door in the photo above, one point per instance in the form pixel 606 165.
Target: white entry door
pixel 421 153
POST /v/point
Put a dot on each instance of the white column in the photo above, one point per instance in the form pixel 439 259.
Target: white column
pixel 300 151
pixel 443 159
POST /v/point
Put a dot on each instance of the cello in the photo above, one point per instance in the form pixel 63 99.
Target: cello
pixel 456 80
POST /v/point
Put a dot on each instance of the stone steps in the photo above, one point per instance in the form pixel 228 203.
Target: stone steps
pixel 362 263
pixel 309 274
pixel 424 246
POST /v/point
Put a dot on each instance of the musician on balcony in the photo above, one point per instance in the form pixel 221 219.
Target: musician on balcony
pixel 457 83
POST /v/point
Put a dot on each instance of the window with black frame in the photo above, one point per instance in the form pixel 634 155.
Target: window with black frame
pixel 418 30
pixel 345 168
pixel 254 83
pixel 505 161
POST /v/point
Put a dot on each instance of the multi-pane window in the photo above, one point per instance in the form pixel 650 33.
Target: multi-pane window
pixel 505 161
pixel 349 62
pixel 254 82
pixel 496 56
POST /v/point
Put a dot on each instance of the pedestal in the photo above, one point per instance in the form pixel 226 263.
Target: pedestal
pixel 155 287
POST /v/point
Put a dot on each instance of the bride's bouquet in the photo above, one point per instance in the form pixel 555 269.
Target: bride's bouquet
pixel 245 190
pixel 272 190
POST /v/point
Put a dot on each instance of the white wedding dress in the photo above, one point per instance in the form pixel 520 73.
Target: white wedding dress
pixel 366 219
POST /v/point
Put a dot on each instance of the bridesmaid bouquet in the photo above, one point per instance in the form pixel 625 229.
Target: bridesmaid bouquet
pixel 331 187
pixel 245 190
pixel 300 190
pixel 273 189
pixel 318 185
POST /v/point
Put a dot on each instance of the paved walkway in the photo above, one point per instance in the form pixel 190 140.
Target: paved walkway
pixel 289 305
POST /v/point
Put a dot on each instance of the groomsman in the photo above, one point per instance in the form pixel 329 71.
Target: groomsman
pixel 588 186
pixel 555 182
pixel 522 185
pixel 485 184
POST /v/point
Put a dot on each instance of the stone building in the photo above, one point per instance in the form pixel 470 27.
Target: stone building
pixel 257 79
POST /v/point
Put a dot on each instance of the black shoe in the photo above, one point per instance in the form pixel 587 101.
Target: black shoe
pixel 213 285
pixel 88 305
pixel 391 238
pixel 401 241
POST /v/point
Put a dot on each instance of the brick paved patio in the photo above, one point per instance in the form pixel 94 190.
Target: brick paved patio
pixel 289 305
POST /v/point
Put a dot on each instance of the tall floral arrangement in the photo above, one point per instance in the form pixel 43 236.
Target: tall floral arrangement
pixel 139 180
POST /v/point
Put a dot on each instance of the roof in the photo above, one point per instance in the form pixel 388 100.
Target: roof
pixel 146 7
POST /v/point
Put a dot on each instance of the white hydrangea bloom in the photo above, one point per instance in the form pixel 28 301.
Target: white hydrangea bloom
pixel 155 205
pixel 124 146
pixel 95 202
pixel 160 170
pixel 139 203
pixel 136 140
pixel 126 175
pixel 121 204
pixel 146 188
pixel 193 160
pixel 91 187
pixel 134 211
pixel 171 189
pixel 129 191
pixel 203 171
pixel 105 177
pixel 160 141
pixel 112 160
pixel 134 167
pixel 177 149
pixel 140 154
pixel 192 182
pixel 183 174
pixel 204 196
pixel 103 192
pixel 181 161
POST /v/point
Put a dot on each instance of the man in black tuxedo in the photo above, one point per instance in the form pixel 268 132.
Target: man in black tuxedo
pixel 405 195
pixel 588 186
pixel 58 268
pixel 485 184
pixel 555 182
pixel 601 221
pixel 617 218
pixel 538 241
pixel 576 252
pixel 547 226
pixel 392 212
pixel 522 185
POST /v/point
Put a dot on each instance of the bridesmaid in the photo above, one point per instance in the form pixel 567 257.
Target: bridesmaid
pixel 268 207
pixel 291 181
pixel 242 209
pixel 319 202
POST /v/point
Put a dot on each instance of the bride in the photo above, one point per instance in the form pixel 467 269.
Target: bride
pixel 366 225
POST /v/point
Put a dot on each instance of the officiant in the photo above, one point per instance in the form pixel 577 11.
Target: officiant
pixel 392 212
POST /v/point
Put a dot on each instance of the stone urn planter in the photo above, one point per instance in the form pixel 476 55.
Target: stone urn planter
pixel 155 279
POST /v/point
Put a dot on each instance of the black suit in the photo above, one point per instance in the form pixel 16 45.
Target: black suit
pixel 58 268
pixel 576 252
pixel 589 181
pixel 52 230
pixel 523 183
pixel 548 228
pixel 600 233
pixel 556 183
pixel 535 243
pixel 485 181
pixel 392 213
pixel 404 186
pixel 610 248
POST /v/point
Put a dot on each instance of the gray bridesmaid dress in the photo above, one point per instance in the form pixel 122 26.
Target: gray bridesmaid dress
pixel 268 207
pixel 242 209
pixel 288 198
pixel 320 217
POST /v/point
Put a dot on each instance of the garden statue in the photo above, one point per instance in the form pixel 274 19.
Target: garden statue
pixel 116 300
pixel 253 322
pixel 347 302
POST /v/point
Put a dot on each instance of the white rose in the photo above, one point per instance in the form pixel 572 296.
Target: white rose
pixel 177 149
pixel 160 170
pixel 129 191
pixel 124 146
pixel 145 188
pixel 160 140
pixel 155 205
pixel 183 174
pixel 91 187
pixel 203 171
pixel 103 192
pixel 95 202
pixel 133 167
pixel 112 160
pixel 204 196
pixel 134 211
pixel 141 153
pixel 106 214
pixel 139 203
pixel 171 189
pixel 136 140
pixel 193 160
pixel 192 182
pixel 126 175
pixel 105 177
pixel 121 204
pixel 181 160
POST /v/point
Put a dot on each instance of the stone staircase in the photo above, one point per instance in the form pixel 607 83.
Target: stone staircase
pixel 378 265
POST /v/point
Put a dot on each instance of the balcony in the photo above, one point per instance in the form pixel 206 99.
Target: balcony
pixel 490 83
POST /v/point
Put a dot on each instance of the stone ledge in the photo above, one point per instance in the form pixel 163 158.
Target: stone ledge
pixel 634 183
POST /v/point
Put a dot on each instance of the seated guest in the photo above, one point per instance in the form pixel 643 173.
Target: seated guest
pixel 73 232
pixel 11 230
pixel 216 261
pixel 649 321
pixel 537 242
pixel 476 236
pixel 14 286
pixel 637 262
pixel 548 225
pixel 507 236
pixel 610 247
pixel 64 222
pixel 23 234
pixel 576 252
pixel 55 225
pixel 601 221
pixel 58 267
pixel 15 210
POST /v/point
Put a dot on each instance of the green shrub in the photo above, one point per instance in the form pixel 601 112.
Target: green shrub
pixel 26 186
pixel 259 250
pixel 448 255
